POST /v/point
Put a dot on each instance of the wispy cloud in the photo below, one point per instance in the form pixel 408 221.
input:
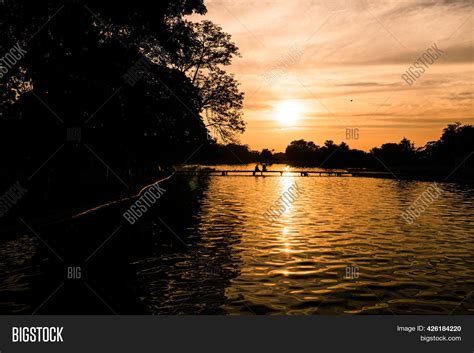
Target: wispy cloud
pixel 351 66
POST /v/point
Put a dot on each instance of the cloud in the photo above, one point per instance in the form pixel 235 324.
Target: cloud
pixel 367 84
pixel 350 50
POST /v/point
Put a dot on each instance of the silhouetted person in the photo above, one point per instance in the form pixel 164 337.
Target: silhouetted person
pixel 256 170
pixel 264 168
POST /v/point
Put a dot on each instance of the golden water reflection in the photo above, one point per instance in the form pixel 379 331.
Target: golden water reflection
pixel 297 263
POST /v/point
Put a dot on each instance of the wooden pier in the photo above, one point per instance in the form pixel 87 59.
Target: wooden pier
pixel 304 173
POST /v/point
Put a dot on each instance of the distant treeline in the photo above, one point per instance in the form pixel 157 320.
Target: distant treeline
pixel 97 95
pixel 453 148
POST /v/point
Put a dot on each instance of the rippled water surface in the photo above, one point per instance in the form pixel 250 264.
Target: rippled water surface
pixel 340 247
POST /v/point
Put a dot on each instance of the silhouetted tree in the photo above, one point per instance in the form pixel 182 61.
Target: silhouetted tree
pixel 226 154
pixel 455 145
pixel 204 49
pixel 72 78
pixel 301 151
pixel 266 155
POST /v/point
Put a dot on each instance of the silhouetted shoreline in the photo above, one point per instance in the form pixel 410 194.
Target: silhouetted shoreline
pixel 51 215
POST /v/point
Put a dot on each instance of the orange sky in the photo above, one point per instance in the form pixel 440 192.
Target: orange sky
pixel 340 63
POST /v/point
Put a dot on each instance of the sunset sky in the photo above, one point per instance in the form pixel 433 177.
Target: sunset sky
pixel 311 69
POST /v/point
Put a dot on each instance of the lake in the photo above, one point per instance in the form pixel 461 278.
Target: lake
pixel 339 247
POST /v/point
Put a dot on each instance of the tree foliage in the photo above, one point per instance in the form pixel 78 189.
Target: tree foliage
pixel 77 54
pixel 204 49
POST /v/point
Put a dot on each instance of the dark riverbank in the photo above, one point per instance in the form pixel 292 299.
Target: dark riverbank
pixel 100 245
pixel 64 203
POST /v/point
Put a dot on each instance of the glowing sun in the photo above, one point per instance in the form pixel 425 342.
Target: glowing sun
pixel 288 112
